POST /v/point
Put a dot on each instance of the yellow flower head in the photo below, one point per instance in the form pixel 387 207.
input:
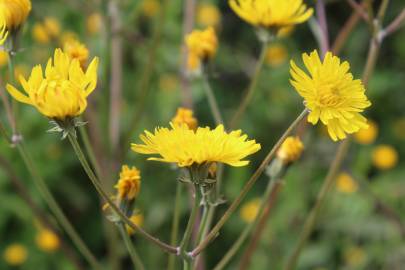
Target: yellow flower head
pixel 47 240
pixel 15 254
pixel 271 14
pixel 202 46
pixel 77 50
pixel 276 55
pixel 40 34
pixel 331 94
pixel 186 147
pixel 290 150
pixel 384 157
pixel 345 183
pixel 150 7
pixel 3 31
pixel 52 26
pixel 249 211
pixel 94 23
pixel 62 92
pixel 15 12
pixel 185 116
pixel 129 183
pixel 367 135
pixel 208 15
pixel 137 219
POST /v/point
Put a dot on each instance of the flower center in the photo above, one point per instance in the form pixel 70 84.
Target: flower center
pixel 329 96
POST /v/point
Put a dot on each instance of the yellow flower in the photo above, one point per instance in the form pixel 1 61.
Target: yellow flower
pixel 249 211
pixel 186 147
pixel 201 45
pixel 15 254
pixel 208 15
pixel 129 183
pixel 39 33
pixel 290 150
pixel 68 36
pixel 77 50
pixel 93 23
pixel 3 58
pixel 367 135
pixel 185 116
pixel 331 94
pixel 14 12
pixel 150 7
pixel 47 240
pixel 384 157
pixel 345 183
pixel 271 14
pixel 276 55
pixel 354 256
pixel 63 92
pixel 3 31
pixel 52 26
pixel 168 82
pixel 137 219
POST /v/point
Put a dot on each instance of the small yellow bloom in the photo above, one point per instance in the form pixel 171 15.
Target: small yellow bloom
pixel 208 15
pixel 52 26
pixel 150 8
pixel 290 150
pixel 15 12
pixel 345 183
pixel 384 157
pixel 331 94
pixel 271 14
pixel 186 147
pixel 15 254
pixel 40 34
pixel 138 220
pixel 47 240
pixel 63 92
pixel 77 50
pixel 354 257
pixel 168 82
pixel 129 183
pixel 276 55
pixel 94 23
pixel 3 58
pixel 202 46
pixel 68 36
pixel 3 30
pixel 185 116
pixel 367 135
pixel 249 211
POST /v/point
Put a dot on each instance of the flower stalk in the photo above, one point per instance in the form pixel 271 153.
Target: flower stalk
pixel 212 101
pixel 136 260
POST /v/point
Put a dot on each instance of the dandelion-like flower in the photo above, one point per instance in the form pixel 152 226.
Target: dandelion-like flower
pixel 3 31
pixel 290 150
pixel 62 93
pixel 271 14
pixel 77 50
pixel 129 183
pixel 185 116
pixel 202 46
pixel 331 94
pixel 14 12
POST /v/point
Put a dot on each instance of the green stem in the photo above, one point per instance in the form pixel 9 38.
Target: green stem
pixel 89 150
pixel 251 88
pixel 136 260
pixel 213 233
pixel 175 225
pixel 212 101
pixel 55 208
pixel 80 155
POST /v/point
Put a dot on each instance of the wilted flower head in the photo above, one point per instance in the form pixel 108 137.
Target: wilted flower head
pixel 290 150
pixel 77 50
pixel 186 147
pixel 201 45
pixel 271 14
pixel 14 12
pixel 185 116
pixel 331 94
pixel 129 183
pixel 62 93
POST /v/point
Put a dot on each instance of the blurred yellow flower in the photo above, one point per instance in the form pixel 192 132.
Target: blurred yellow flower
pixel 68 36
pixel 185 116
pixel 384 157
pixel 202 46
pixel 168 82
pixel 138 220
pixel 3 58
pixel 52 26
pixel 77 50
pixel 276 55
pixel 3 30
pixel 290 150
pixel 94 23
pixel 285 31
pixel 129 183
pixel 150 8
pixel 249 210
pixel 354 256
pixel 345 183
pixel 47 240
pixel 367 135
pixel 15 254
pixel 15 12
pixel 63 92
pixel 186 147
pixel 208 15
pixel 331 94
pixel 271 14
pixel 40 34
